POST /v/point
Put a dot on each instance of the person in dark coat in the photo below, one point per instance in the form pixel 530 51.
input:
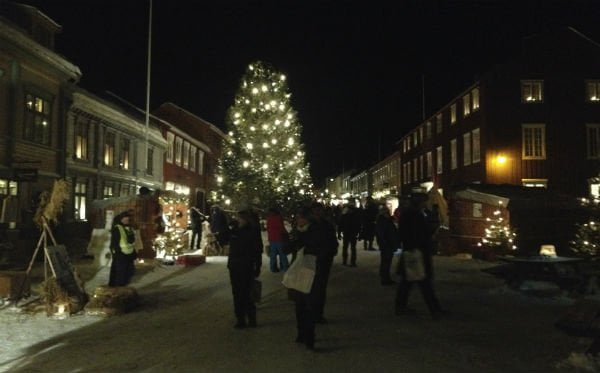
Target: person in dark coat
pixel 219 225
pixel 244 264
pixel 196 220
pixel 331 244
pixel 416 234
pixel 387 240
pixel 123 253
pixel 350 227
pixel 314 239
pixel 369 216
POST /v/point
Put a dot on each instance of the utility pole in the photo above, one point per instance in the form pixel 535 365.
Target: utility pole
pixel 148 69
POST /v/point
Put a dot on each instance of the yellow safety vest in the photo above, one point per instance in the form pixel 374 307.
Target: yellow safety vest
pixel 126 247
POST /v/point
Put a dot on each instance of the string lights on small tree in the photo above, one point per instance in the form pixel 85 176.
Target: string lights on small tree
pixel 587 236
pixel 499 237
pixel 263 161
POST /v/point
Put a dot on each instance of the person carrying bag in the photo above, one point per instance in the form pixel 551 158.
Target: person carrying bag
pixel 301 274
pixel 415 266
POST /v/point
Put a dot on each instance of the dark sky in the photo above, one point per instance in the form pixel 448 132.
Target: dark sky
pixel 354 68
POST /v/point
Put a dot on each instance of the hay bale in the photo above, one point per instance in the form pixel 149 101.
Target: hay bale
pixel 110 301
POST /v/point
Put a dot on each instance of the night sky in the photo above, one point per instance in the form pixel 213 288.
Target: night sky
pixel 354 68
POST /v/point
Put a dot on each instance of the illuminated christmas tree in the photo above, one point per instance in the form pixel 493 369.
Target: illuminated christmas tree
pixel 499 237
pixel 263 158
pixel 587 237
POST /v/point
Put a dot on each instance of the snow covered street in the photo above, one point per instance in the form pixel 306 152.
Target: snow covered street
pixel 185 324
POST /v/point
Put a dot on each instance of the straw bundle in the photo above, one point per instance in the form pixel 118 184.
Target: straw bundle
pixel 109 301
pixel 52 204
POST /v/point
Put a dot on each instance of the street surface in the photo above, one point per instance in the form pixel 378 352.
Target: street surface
pixel 185 324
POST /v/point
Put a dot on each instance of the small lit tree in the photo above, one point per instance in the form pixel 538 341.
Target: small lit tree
pixel 171 242
pixel 499 237
pixel 587 236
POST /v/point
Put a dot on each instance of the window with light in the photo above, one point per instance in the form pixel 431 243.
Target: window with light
pixel 37 119
pixel 532 91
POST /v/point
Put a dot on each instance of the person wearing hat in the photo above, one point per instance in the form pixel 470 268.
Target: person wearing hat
pixel 244 263
pixel 121 247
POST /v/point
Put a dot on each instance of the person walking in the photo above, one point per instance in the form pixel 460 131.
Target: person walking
pixel 350 227
pixel 387 240
pixel 219 226
pixel 196 220
pixel 330 245
pixel 312 238
pixel 416 235
pixel 244 264
pixel 123 253
pixel 277 235
pixel 369 216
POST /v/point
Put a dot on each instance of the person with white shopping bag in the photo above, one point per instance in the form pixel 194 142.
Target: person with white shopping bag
pixel 304 277
pixel 415 265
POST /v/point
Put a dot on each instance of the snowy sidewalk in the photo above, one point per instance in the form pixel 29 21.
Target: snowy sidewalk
pixel 186 318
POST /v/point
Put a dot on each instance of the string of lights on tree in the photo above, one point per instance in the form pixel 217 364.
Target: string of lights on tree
pixel 499 237
pixel 587 236
pixel 171 242
pixel 263 161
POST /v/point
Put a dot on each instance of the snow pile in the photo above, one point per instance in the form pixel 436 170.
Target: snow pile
pixel 581 362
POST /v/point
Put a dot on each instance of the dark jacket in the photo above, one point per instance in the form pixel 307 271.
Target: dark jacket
pixel 245 250
pixel 386 232
pixel 219 225
pixel 414 230
pixel 327 230
pixel 350 223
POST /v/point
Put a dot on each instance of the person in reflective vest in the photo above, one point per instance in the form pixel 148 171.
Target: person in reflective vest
pixel 122 249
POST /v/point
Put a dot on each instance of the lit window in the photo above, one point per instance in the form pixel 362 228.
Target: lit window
pixel 79 201
pixel 452 113
pixel 107 191
pixel 535 183
pixel 178 150
pixel 8 188
pixel 593 90
pixel 200 162
pixel 37 121
pixel 429 164
pixel 467 149
pixel 532 91
pixel 415 139
pixel 466 105
pixel 476 148
pixel 81 139
pixel 421 167
pixel 593 141
pixel 193 156
pixel 170 146
pixel 534 141
pixel 438 160
pixel 475 98
pixel 124 154
pixel 416 169
pixel 595 189
pixel 186 154
pixel 438 123
pixel 109 149
pixel 453 155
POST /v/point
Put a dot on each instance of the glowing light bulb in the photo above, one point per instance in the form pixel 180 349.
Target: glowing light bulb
pixel 265 166
pixel 264 88
pixel 249 146
pixel 267 106
pixel 265 127
pixel 277 122
pixel 253 110
pixel 252 128
pixel 254 90
pixel 287 123
pixel 251 67
pixel 219 179
pixel 290 141
pixel 273 141
pixel 282 77
pixel 281 107
pixel 265 145
pixel 273 103
pixel 230 133
pixel 247 101
pixel 237 115
pixel 246 164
